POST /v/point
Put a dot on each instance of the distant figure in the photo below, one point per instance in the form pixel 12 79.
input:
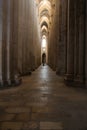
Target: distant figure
pixel 43 59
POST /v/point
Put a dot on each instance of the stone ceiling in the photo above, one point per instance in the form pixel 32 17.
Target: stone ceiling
pixel 45 9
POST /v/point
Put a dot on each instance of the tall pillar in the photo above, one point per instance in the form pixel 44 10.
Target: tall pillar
pixel 61 66
pixel 8 42
pixel 86 44
pixel 29 27
pixel 81 46
pixel 65 11
pixel 20 36
pixel 5 40
pixel 1 13
pixel 76 52
pixel 9 68
pixel 4 45
pixel 59 51
pixel 24 38
pixel 14 76
pixel 70 42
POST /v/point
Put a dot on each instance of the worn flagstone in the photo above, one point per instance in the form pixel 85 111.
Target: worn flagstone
pixel 43 102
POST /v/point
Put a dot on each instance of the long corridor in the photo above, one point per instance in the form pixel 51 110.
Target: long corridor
pixel 43 102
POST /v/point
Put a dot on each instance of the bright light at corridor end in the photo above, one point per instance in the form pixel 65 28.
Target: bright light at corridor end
pixel 45 1
pixel 44 42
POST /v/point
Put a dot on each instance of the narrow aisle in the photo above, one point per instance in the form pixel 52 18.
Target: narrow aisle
pixel 43 102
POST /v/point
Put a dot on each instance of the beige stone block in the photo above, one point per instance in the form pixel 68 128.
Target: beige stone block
pixel 23 117
pixel 3 104
pixel 11 125
pixel 6 117
pixel 17 110
pixel 51 126
pixel 40 117
pixel 40 109
pixel 31 126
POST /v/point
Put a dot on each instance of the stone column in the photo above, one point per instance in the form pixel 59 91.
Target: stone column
pixel 24 37
pixel 65 11
pixel 29 27
pixel 14 76
pixel 70 42
pixel 62 38
pixel 81 29
pixel 57 31
pixel 76 52
pixel 1 14
pixel 86 45
pixel 36 37
pixel 59 51
pixel 8 42
pixel 20 36
pixel 4 44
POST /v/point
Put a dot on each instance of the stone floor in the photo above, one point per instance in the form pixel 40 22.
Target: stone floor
pixel 43 102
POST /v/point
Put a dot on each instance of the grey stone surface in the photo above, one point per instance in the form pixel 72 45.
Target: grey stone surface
pixel 43 102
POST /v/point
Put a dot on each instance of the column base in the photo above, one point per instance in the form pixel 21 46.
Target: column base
pixel 54 68
pixel 27 73
pixel 60 73
pixel 79 81
pixel 33 69
pixel 10 83
pixel 69 79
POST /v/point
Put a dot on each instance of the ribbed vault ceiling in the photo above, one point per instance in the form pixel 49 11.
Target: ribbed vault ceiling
pixel 45 14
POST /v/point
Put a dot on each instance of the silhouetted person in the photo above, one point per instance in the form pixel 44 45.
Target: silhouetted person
pixel 43 59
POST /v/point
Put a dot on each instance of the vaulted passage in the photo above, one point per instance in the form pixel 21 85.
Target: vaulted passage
pixel 31 29
pixel 43 64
